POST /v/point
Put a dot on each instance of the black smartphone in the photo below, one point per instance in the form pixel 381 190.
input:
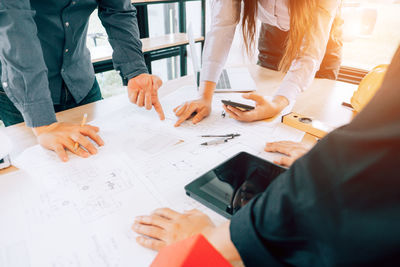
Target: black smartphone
pixel 242 107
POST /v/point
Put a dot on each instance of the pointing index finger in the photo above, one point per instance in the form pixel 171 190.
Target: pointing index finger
pixel 188 112
pixel 159 109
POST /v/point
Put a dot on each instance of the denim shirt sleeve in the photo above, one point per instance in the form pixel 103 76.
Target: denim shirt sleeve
pixel 24 73
pixel 119 19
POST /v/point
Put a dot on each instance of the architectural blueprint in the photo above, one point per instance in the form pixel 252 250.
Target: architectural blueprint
pixel 79 213
pixel 76 213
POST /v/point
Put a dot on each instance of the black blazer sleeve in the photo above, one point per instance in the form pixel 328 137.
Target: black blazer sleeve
pixel 340 203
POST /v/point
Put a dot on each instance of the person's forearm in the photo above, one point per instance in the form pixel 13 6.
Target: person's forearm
pixel 281 102
pixel 220 238
pixel 207 89
pixel 25 78
pixel 123 36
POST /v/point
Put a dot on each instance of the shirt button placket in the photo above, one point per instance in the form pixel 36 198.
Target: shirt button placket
pixel 67 43
pixel 66 26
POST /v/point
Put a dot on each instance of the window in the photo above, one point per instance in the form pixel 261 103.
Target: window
pixel 166 68
pixel 110 81
pixel 162 19
pixel 193 18
pixel 371 32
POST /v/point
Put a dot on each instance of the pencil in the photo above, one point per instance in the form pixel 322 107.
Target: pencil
pixel 82 124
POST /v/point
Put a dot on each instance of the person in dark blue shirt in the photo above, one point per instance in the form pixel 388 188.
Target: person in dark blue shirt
pixel 46 66
pixel 338 205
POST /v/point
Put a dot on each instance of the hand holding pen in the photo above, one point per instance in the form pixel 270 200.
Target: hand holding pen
pixel 63 136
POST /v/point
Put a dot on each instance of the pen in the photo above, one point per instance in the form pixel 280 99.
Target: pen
pixel 215 142
pixel 221 135
pixel 82 124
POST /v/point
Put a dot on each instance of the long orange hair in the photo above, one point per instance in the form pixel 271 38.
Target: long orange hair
pixel 301 28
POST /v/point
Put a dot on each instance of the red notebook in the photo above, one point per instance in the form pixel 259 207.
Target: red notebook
pixel 191 252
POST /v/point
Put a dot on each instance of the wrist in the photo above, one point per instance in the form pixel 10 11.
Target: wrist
pixel 132 76
pixel 207 89
pixel 220 238
pixel 207 232
pixel 207 99
pixel 41 129
pixel 210 234
pixel 280 102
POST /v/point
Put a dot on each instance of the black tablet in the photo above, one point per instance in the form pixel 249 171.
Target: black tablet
pixel 233 183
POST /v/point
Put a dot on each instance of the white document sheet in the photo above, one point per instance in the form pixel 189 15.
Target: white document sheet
pixel 215 123
pixel 79 213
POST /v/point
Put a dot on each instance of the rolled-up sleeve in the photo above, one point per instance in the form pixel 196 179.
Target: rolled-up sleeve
pixel 303 69
pixel 224 18
pixel 24 73
pixel 119 19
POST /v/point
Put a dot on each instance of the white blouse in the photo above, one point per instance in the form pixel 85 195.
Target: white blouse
pixel 224 14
